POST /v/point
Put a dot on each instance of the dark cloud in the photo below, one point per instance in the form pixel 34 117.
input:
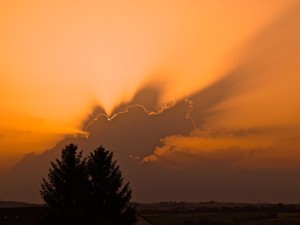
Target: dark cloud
pixel 184 159
pixel 219 184
pixel 185 176
pixel 130 135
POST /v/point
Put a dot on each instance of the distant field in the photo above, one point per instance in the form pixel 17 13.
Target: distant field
pixel 172 213
pixel 221 218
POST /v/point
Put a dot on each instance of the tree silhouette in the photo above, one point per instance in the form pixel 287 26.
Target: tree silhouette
pixel 110 197
pixel 86 190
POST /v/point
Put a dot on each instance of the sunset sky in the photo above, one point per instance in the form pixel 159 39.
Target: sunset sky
pixel 179 87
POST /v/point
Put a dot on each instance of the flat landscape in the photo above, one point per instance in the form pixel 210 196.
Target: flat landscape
pixel 178 213
pixel 222 218
pixel 212 213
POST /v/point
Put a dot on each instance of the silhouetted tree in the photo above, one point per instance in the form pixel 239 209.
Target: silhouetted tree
pixel 66 189
pixel 86 191
pixel 110 198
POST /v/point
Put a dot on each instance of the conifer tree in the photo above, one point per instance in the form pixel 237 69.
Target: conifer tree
pixel 66 188
pixel 86 191
pixel 111 199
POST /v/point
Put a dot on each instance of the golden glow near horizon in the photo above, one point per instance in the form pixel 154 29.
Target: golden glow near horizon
pixel 58 59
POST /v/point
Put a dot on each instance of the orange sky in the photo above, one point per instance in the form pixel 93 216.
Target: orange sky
pixel 59 59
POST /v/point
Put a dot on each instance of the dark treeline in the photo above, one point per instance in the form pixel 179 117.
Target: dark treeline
pixel 208 213
pixel 185 207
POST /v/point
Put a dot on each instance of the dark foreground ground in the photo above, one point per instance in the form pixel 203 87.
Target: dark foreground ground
pixel 223 219
pixel 214 213
pixel 20 215
pixel 172 213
